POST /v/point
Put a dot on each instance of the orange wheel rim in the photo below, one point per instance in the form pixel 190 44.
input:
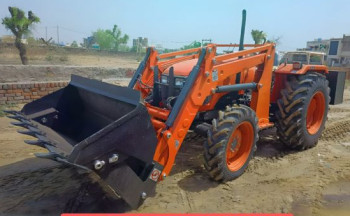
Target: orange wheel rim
pixel 239 146
pixel 315 112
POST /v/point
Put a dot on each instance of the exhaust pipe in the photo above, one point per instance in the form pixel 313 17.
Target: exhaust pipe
pixel 241 40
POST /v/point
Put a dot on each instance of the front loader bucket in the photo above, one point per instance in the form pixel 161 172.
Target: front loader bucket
pixel 97 127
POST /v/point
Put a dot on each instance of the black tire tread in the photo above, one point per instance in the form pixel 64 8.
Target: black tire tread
pixel 291 106
pixel 218 135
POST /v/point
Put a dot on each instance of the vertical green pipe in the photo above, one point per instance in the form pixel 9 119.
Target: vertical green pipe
pixel 241 41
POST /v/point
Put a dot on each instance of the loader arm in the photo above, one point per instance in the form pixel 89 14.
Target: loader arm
pixel 126 136
pixel 206 79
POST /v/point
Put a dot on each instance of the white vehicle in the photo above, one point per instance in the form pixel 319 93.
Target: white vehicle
pixel 305 57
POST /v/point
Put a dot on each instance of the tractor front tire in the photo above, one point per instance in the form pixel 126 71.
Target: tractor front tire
pixel 231 143
pixel 302 110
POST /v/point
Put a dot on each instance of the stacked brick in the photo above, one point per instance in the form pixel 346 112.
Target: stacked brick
pixel 15 93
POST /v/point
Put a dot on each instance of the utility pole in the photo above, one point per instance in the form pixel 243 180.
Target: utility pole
pixel 208 41
pixel 46 33
pixel 58 35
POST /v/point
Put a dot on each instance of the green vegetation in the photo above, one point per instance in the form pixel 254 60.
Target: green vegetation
pixel 258 36
pixel 19 25
pixel 104 39
pixel 74 44
pixel 111 39
pixel 194 44
pixel 275 40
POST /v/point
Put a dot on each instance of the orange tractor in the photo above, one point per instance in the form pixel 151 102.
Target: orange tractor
pixel 130 136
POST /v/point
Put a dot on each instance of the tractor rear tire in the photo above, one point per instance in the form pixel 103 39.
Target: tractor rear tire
pixel 302 110
pixel 231 143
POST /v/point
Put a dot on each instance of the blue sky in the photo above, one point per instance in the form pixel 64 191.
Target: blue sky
pixel 176 23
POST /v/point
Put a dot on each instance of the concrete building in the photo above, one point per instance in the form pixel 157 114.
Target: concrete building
pixel 339 51
pixel 139 43
pixel 318 45
pixel 89 41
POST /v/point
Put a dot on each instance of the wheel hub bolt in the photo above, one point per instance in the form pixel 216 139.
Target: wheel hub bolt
pixel 99 164
pixel 114 158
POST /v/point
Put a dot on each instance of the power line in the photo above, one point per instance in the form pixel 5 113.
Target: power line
pixel 71 30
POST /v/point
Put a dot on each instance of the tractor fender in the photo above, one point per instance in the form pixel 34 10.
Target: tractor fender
pixel 281 73
pixel 288 69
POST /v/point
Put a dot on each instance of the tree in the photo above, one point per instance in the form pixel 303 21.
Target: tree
pixel 275 40
pixel 19 25
pixel 123 48
pixel 118 38
pixel 259 37
pixel 47 42
pixel 110 39
pixel 74 44
pixel 194 44
pixel 104 39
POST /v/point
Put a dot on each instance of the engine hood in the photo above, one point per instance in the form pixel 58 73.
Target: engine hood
pixel 182 68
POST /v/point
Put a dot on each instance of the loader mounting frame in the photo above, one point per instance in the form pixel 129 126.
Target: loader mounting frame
pixel 213 76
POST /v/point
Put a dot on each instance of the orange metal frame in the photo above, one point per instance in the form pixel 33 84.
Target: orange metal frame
pixel 226 66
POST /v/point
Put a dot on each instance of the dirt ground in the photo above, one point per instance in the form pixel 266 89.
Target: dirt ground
pixel 312 182
pixel 64 56
pixel 54 73
pixel 57 64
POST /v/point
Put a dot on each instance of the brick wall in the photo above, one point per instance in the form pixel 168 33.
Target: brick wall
pixel 14 93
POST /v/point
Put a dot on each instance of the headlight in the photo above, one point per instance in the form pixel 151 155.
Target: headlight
pixel 179 82
pixel 164 79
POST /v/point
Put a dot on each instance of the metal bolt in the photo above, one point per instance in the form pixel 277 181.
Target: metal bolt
pixel 269 56
pixel 44 120
pixel 99 164
pixel 207 73
pixel 113 158
pixel 214 61
pixel 143 195
pixel 260 85
pixel 168 135
pixel 164 175
pixel 213 90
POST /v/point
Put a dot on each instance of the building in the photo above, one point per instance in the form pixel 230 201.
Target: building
pixel 10 39
pixel 139 43
pixel 89 42
pixel 339 51
pixel 7 39
pixel 318 45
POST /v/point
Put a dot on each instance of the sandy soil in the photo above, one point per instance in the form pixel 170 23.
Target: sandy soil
pixel 76 57
pixel 312 182
pixel 57 64
pixel 43 73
